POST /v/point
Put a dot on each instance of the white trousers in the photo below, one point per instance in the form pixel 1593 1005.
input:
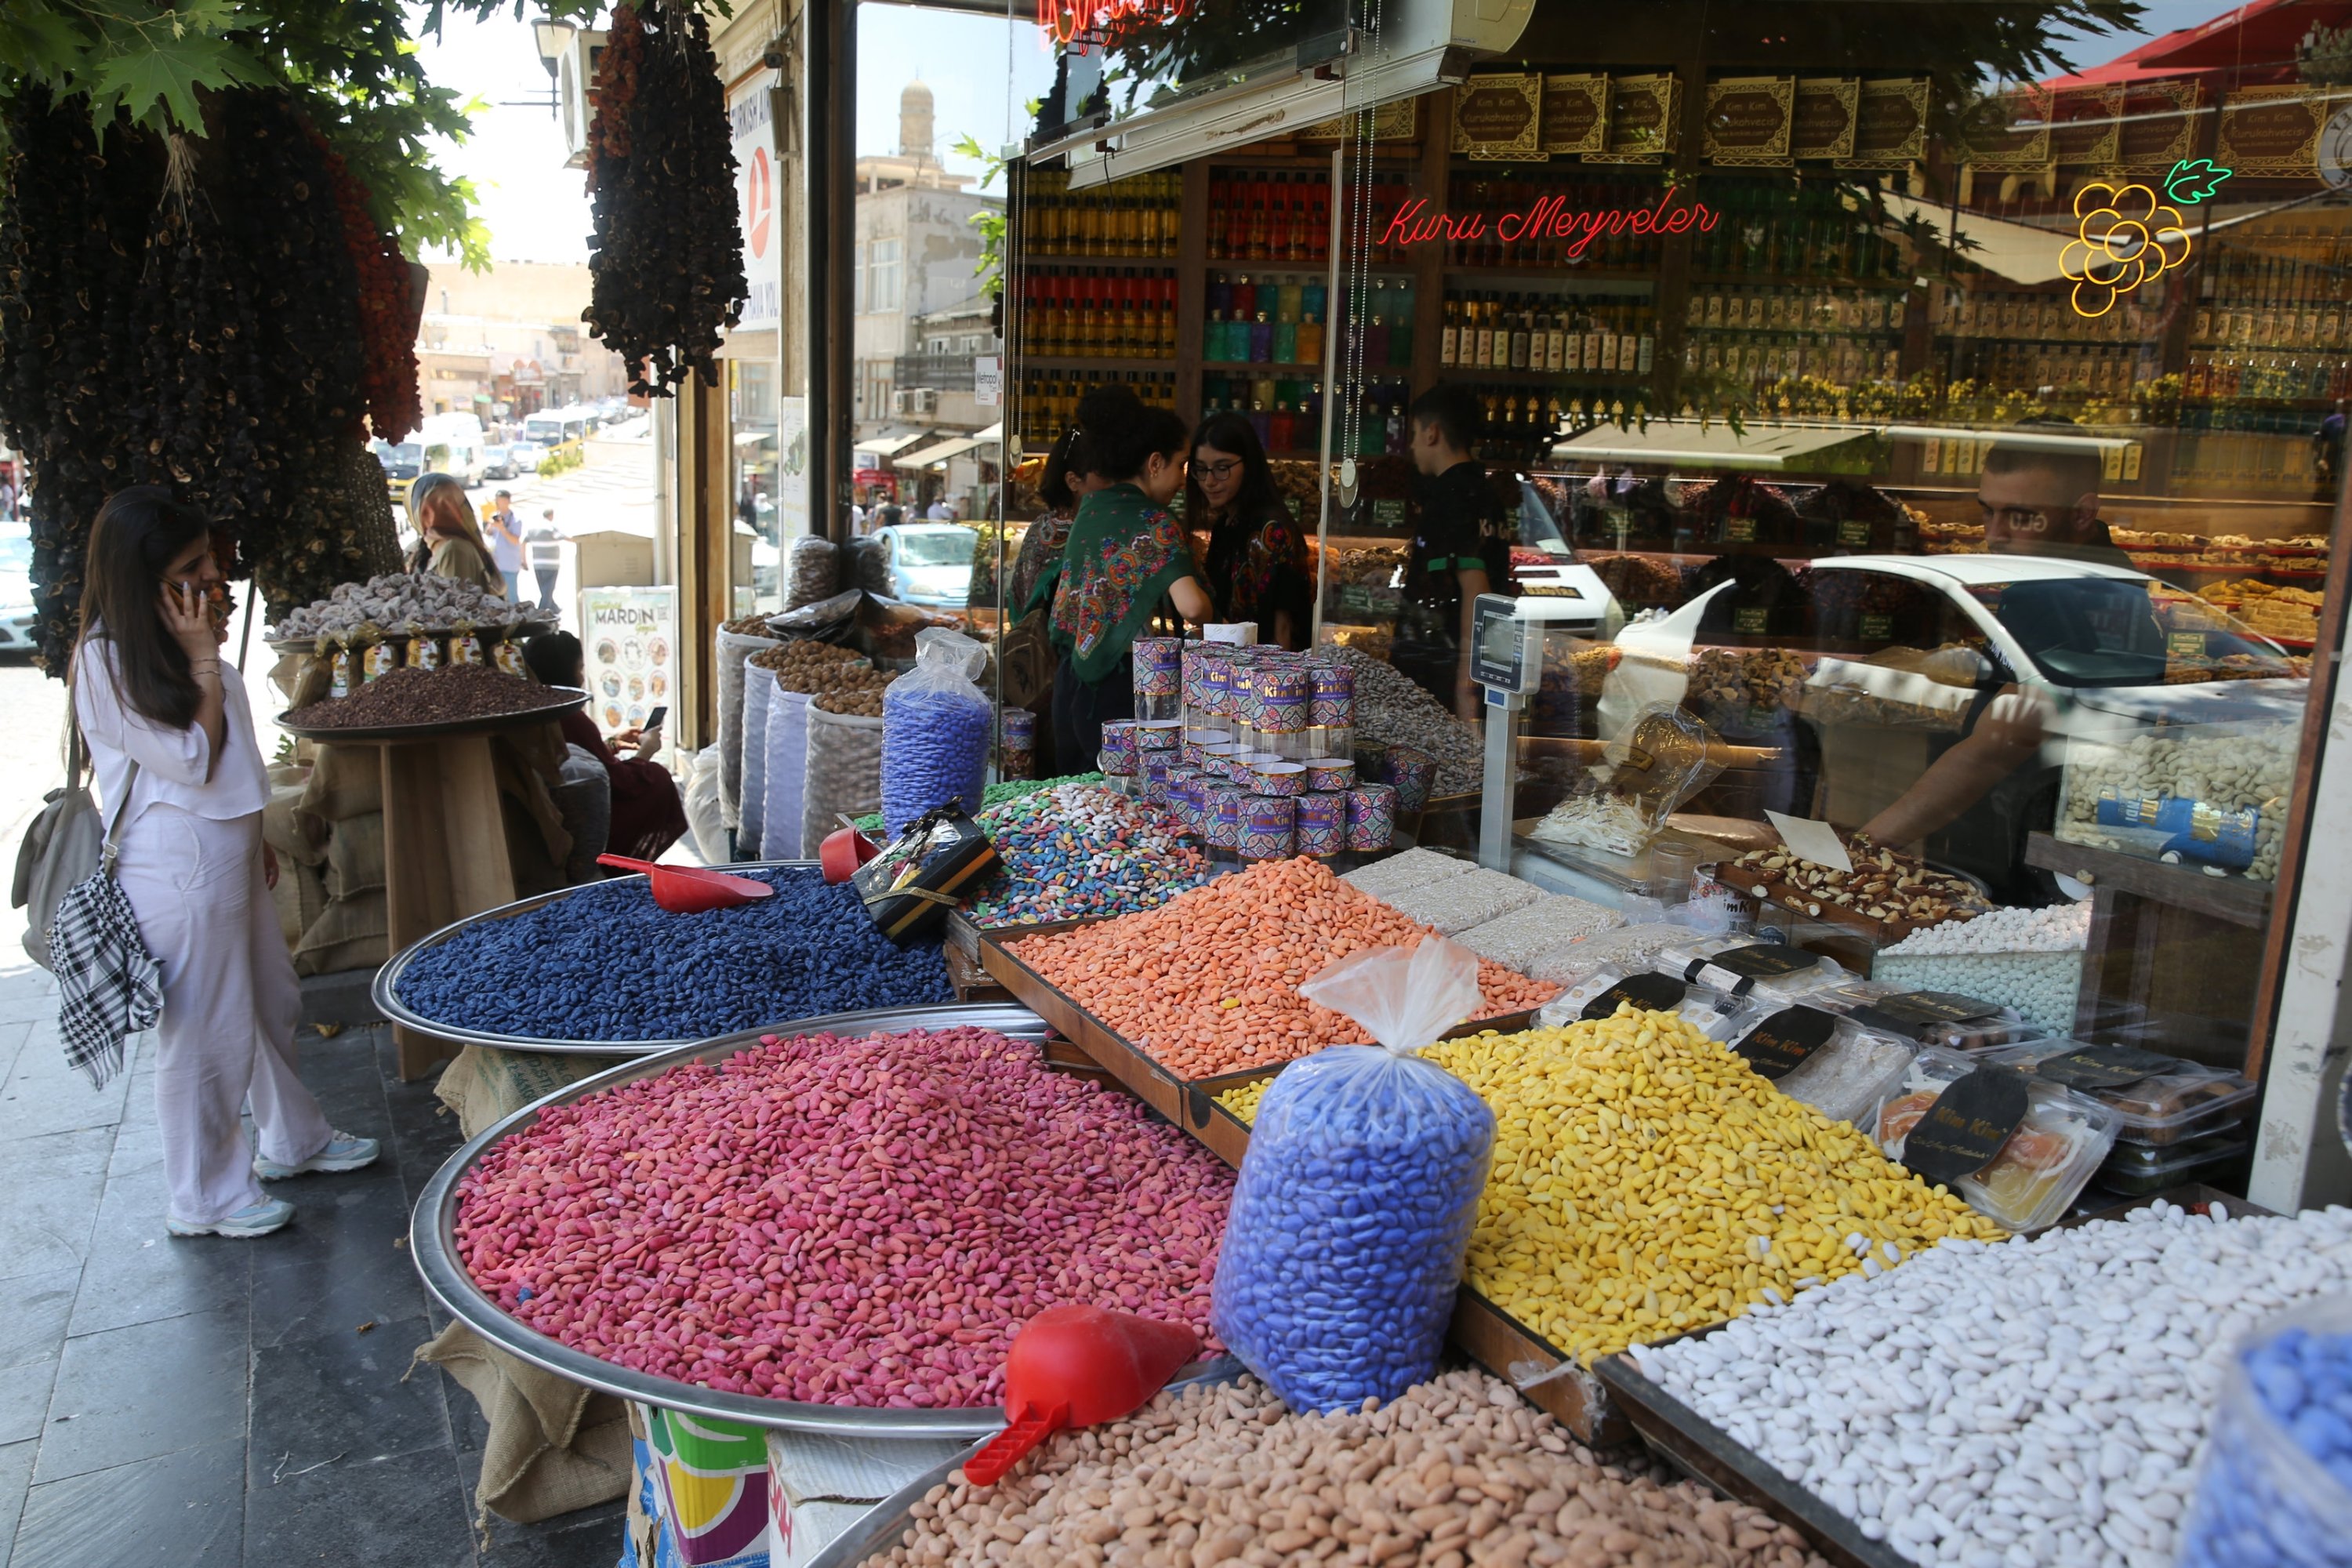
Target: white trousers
pixel 231 1005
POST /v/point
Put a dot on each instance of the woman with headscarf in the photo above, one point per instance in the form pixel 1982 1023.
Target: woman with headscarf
pixel 1126 555
pixel 450 542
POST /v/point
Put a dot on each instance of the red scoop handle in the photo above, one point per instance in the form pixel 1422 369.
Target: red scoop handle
pixel 1007 1447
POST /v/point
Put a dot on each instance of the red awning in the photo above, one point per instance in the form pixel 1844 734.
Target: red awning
pixel 2253 44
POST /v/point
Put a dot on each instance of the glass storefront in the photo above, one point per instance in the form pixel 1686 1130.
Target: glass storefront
pixel 1959 468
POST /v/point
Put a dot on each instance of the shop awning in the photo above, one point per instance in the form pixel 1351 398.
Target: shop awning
pixel 1424 44
pixel 1710 446
pixel 2017 251
pixel 935 456
pixel 891 444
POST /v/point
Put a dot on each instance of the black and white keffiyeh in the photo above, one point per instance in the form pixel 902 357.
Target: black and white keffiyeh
pixel 113 988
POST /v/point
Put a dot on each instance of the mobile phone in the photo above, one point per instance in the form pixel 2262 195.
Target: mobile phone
pixel 654 718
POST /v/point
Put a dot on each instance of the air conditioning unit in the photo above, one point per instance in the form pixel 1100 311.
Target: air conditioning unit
pixel 915 400
pixel 574 70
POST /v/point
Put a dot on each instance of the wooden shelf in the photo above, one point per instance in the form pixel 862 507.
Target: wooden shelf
pixel 2231 898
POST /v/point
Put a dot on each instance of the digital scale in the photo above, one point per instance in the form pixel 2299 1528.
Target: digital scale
pixel 1506 658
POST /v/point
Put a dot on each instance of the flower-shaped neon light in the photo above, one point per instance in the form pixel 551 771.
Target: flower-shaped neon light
pixel 2126 237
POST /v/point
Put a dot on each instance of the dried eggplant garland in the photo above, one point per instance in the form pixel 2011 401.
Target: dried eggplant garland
pixel 665 257
pixel 186 315
pixel 72 245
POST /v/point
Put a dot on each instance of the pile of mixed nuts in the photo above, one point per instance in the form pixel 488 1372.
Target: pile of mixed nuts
pixel 1884 885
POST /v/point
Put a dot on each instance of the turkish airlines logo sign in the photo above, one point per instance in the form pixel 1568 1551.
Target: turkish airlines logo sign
pixel 751 118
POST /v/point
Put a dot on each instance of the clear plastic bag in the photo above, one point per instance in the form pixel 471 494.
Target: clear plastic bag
pixel 1663 759
pixel 734 648
pixel 935 730
pixel 1358 1195
pixel 2276 1487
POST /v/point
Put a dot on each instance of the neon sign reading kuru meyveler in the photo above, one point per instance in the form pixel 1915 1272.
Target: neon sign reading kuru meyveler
pixel 1550 219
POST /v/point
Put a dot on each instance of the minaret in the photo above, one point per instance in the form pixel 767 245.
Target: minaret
pixel 915 122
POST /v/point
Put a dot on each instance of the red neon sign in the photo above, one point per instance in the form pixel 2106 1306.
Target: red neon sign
pixel 1101 20
pixel 1550 218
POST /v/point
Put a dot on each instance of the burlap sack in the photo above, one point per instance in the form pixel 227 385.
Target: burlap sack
pixel 845 771
pixel 554 1446
pixel 348 933
pixel 734 648
pixel 485 1086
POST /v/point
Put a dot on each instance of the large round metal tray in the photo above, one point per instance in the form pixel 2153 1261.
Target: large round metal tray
pixel 438 729
pixel 432 1241
pixel 383 990
pixel 879 1529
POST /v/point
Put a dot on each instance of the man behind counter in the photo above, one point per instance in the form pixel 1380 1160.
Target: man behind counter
pixel 1458 549
pixel 2034 501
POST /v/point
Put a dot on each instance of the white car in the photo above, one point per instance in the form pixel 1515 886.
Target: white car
pixel 15 589
pixel 931 563
pixel 1905 653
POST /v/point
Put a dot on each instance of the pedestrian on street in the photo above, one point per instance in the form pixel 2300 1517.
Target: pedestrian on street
pixel 171 738
pixel 451 545
pixel 506 543
pixel 543 544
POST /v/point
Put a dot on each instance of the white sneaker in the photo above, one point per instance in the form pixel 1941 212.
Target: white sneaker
pixel 343 1153
pixel 254 1219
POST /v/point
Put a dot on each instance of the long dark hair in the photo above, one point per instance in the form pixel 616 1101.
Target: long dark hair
pixel 1065 462
pixel 139 533
pixel 1122 433
pixel 1257 500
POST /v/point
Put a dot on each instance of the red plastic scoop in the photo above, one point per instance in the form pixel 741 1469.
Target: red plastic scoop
pixel 690 890
pixel 1078 1366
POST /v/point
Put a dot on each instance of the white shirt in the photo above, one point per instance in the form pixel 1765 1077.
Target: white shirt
pixel 172 764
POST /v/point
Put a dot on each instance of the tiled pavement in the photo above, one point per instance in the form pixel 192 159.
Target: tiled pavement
pixel 210 1403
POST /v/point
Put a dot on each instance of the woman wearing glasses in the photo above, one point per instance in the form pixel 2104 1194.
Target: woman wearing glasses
pixel 171 740
pixel 1256 566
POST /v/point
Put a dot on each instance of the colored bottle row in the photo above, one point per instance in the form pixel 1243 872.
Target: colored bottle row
pixel 1505 331
pixel 1135 217
pixel 1287 415
pixel 1130 312
pixel 1049 399
pixel 1796 309
pixel 1269 216
pixel 1805 232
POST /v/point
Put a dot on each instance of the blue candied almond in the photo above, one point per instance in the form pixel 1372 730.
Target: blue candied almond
pixel 604 963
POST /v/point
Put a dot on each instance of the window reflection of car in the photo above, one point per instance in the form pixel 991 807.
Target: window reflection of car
pixel 931 563
pixel 1890 659
pixel 16 591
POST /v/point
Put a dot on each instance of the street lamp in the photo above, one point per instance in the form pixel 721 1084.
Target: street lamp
pixel 554 40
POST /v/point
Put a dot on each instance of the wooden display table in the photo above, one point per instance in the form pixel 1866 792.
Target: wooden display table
pixel 445 832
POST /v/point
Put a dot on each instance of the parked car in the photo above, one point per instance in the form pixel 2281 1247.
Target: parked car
pixel 523 456
pixel 1899 652
pixel 16 590
pixel 497 461
pixel 931 563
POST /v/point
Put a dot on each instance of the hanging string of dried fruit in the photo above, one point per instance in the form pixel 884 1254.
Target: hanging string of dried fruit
pixel 284 222
pixel 665 257
pixel 388 302
pixel 72 229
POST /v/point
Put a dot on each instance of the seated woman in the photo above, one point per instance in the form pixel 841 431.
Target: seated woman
pixel 647 815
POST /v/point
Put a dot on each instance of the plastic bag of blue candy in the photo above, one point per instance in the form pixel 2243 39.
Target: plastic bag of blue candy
pixel 1356 1200
pixel 2276 1490
pixel 935 730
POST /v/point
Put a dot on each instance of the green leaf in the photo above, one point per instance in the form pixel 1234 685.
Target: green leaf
pixel 158 86
pixel 2193 180
pixel 42 44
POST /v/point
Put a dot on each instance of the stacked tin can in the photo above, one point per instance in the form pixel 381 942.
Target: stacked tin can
pixel 1159 679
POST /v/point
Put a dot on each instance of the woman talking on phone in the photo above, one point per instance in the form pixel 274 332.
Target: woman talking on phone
pixel 171 738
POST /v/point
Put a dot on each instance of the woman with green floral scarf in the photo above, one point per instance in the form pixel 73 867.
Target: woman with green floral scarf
pixel 1125 553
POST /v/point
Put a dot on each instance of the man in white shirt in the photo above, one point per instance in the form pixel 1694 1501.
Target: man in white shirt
pixel 506 543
